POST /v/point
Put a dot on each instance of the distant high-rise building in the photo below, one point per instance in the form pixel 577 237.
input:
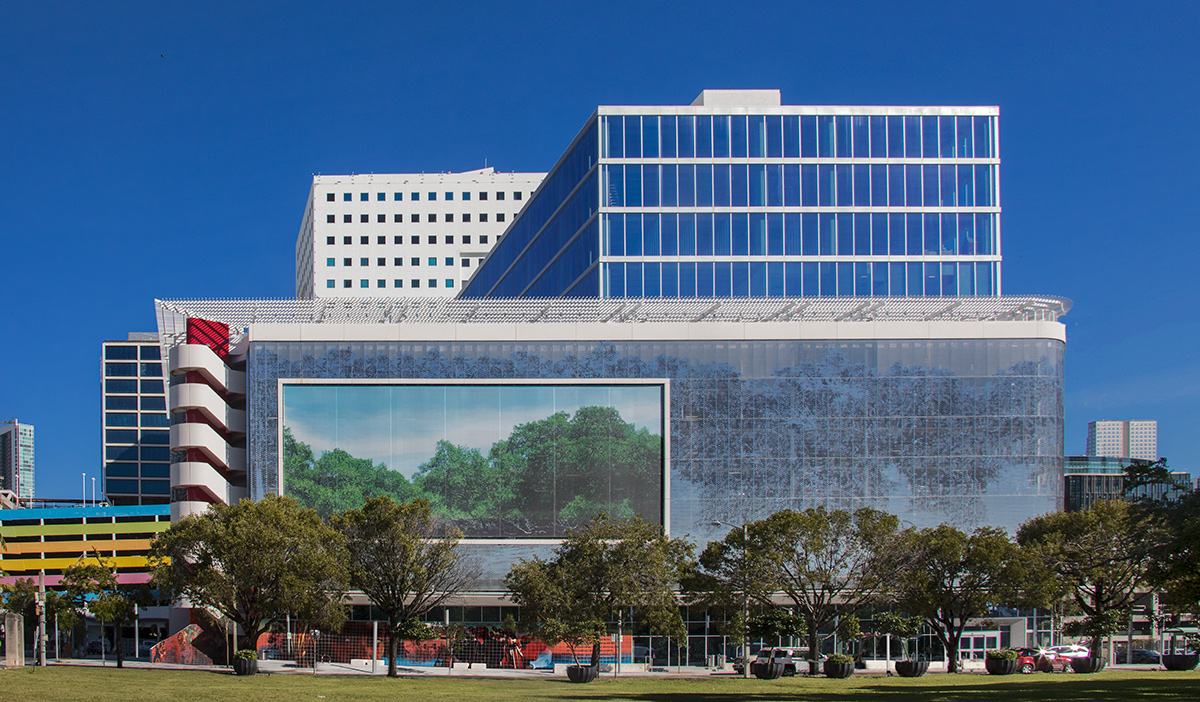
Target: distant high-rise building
pixel 16 458
pixel 135 438
pixel 1123 439
pixel 403 235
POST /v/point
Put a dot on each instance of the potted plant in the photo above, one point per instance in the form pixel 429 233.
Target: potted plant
pixel 770 624
pixel 1087 665
pixel 1001 662
pixel 903 628
pixel 245 662
pixel 839 665
pixel 1180 661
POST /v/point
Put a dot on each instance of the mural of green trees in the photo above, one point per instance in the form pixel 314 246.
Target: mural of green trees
pixel 547 476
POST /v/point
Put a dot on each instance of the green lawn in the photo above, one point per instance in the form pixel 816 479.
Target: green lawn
pixel 79 684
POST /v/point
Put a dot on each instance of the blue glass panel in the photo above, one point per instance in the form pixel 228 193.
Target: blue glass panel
pixel 792 279
pixel 614 192
pixel 721 185
pixel 826 175
pixel 156 453
pixel 670 186
pixel 984 235
pixel 155 420
pixel 120 419
pixel 737 137
pixel 946 141
pixel 963 143
pixel 895 130
pixel 862 185
pixel 670 279
pixel 670 234
pixel 929 136
pixel 930 179
pixel 633 137
pixel 151 353
pixel 933 279
pixel 791 185
pixel 758 278
pixel 120 403
pixel 738 186
pixel 757 135
pixel 862 136
pixel 966 186
pixel 773 136
pixel 878 136
pixel 154 386
pixel 984 280
pixel 879 234
pixel 828 233
pixel 120 453
pixel 879 278
pixel 912 137
pixel 812 279
pixel 121 469
pixel 826 140
pixel 687 185
pixel 616 234
pixel 758 234
pixel 983 186
pixel 650 235
pixel 704 279
pixel 949 279
pixel 687 136
pixel 845 234
pixel 687 279
pixel 915 237
pixel 812 235
pixel 156 470
pixel 687 234
pixel 758 183
pixel 633 235
pixel 791 136
pixel 862 234
pixel 653 278
pixel 740 274
pixel 933 237
pixel 155 437
pixel 845 185
pixel 704 234
pixel 633 280
pixel 775 278
pixel 120 486
pixel 616 279
pixel 983 137
pixel 828 279
pixel 667 126
pixel 879 185
pixel 774 172
pixel 808 185
pixel 947 187
pixel 896 234
pixel 775 234
pixel 650 186
pixel 916 279
pixel 791 233
pixel 808 136
pixel 720 127
pixel 722 279
pixel 121 353
pixel 966 234
pixel 704 188
pixel 966 279
pixel 862 279
pixel 649 137
pixel 156 487
pixel 703 136
pixel 842 127
pixel 722 231
pixel 616 137
pixel 912 180
pixel 949 234
pixel 633 186
pixel 896 284
pixel 895 186
pixel 120 436
pixel 128 370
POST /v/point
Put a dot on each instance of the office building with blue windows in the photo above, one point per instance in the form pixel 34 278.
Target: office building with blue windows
pixel 134 452
pixel 737 195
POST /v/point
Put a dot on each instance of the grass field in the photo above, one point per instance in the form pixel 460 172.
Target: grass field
pixel 133 685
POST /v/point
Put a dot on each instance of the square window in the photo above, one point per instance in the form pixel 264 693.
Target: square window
pixel 398 261
pixel 381 240
pixel 364 261
pixel 449 196
pixel 415 261
pixel 483 216
pixel 347 261
pixel 364 239
pixel 347 197
pixel 483 238
pixel 347 239
pixel 466 263
pixel 331 261
pixel 433 260
pixel 347 218
pixel 415 239
pixel 466 217
pixel 433 282
pixel 398 218
pixel 397 196
pixel 381 261
pixel 499 196
pixel 329 197
pixel 330 219
pixel 466 196
pixel 432 197
pixel 499 216
pixel 397 283
pixel 364 218
pixel 381 197
pixel 414 196
pixel 466 238
pixel 381 283
pixel 345 283
pixel 414 218
pixel 432 239
pixel 329 283
pixel 329 241
pixel 449 239
pixel 364 197
pixel 414 283
pixel 517 195
pixel 449 282
pixel 482 196
pixel 431 217
pixel 381 219
pixel 449 260
pixel 364 283
pixel 449 217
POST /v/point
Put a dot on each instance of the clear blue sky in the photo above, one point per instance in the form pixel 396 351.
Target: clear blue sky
pixel 154 149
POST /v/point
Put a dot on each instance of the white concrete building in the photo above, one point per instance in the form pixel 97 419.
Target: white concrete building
pixel 1123 439
pixel 16 458
pixel 404 235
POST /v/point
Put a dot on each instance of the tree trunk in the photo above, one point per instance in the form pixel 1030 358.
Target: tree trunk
pixel 393 648
pixel 951 643
pixel 595 653
pixel 814 643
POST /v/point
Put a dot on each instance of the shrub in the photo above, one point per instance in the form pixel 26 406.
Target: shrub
pixel 246 654
pixel 1002 655
pixel 840 659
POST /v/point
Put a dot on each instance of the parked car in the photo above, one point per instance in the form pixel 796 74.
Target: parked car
pixel 1043 660
pixel 790 657
pixel 144 647
pixel 1071 651
pixel 1144 656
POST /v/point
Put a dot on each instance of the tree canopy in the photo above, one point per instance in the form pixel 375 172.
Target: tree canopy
pixel 94 588
pixel 601 568
pixel 405 561
pixel 255 563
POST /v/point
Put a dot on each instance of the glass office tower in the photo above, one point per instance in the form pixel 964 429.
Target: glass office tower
pixel 737 195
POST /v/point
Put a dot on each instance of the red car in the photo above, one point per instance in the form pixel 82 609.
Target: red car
pixel 1043 660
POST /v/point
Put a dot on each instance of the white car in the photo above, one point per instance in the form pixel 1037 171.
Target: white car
pixel 1072 651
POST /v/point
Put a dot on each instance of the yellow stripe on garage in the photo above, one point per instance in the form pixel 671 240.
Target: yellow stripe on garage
pixel 16 565
pixel 101 545
pixel 10 532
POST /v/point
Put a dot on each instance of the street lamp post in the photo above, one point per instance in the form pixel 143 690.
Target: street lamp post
pixel 745 597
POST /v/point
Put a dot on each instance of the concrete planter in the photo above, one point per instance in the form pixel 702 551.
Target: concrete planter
pixel 997 666
pixel 244 667
pixel 582 673
pixel 911 669
pixel 1180 661
pixel 838 670
pixel 767 671
pixel 1087 665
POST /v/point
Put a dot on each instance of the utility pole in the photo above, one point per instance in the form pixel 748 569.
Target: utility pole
pixel 41 612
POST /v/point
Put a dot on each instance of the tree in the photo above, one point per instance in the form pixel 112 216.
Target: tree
pixel 953 577
pixel 255 563
pixel 827 563
pixel 1098 558
pixel 404 561
pixel 602 567
pixel 898 625
pixel 20 597
pixel 94 587
pixel 1175 563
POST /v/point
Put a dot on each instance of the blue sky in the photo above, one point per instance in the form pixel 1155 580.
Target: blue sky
pixel 166 150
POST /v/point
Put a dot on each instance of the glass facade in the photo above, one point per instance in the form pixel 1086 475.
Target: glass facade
pixel 666 203
pixel 136 433
pixel 963 431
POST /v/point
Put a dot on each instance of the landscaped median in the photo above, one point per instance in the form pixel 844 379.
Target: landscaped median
pixel 71 683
